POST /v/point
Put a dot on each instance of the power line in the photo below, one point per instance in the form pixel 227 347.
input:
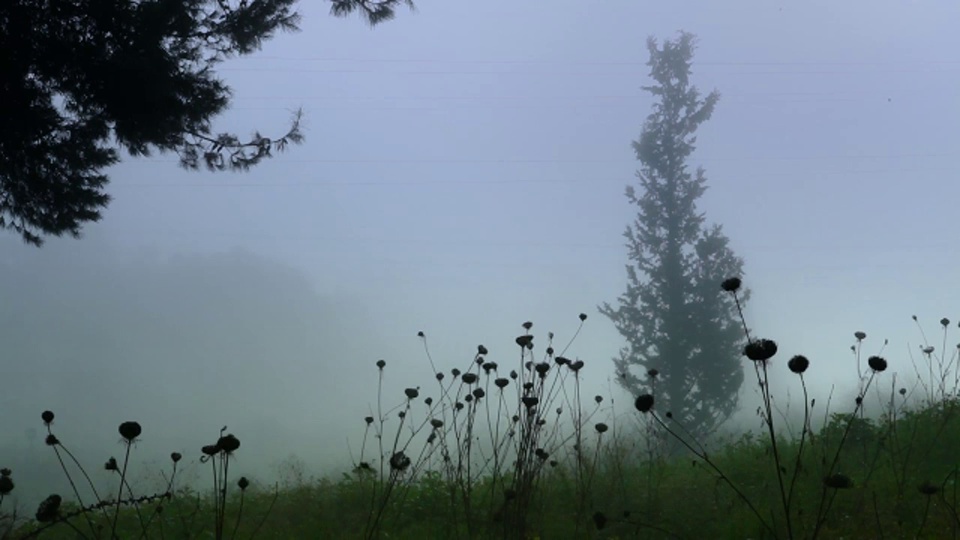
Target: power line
pixel 354 60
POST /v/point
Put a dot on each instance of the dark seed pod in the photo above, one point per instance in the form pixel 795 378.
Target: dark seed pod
pixel 439 376
pixel 51 440
pixel 455 372
pixel 399 461
pixel 860 336
pixel 838 481
pixel 524 340
pixel 381 364
pixel 527 325
pixel 652 373
pixel 541 453
pixel 501 382
pixel 228 443
pixel 549 351
pixel 469 378
pixel 482 350
pixel 47 417
pixel 601 427
pixel 411 393
pixel 210 450
pixel 542 368
pixel 428 402
pixel 945 322
pixel 528 386
pixel 175 457
pixel 903 391
pixel 478 393
pixel 877 364
pixel 798 364
pixel 489 366
pixel 129 430
pixel 577 366
pixel 529 401
pixel 6 484
pixel 583 317
pixel 436 423
pixel 111 464
pixel 243 483
pixel 368 420
pixel 561 360
pixel 644 403
pixel 5 472
pixel 468 398
pixel 49 509
pixel 760 350
pixel 598 399
pixel 731 284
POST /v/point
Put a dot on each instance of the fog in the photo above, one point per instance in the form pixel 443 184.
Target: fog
pixel 463 172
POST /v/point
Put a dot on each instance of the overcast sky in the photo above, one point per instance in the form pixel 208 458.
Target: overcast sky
pixel 463 172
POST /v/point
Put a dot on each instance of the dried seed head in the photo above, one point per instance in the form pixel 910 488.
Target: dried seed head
pixel 381 364
pixel 228 443
pixel 51 440
pixel 945 322
pixel 6 484
pixel 111 464
pixel 514 374
pixel 577 366
pixel 838 481
pixel 478 393
pixel 877 364
pixel 529 401
pixel 439 376
pixel 243 483
pixel 47 417
pixel 542 368
pixel 652 373
pixel 5 472
pixel 583 317
pixel 903 391
pixel 481 349
pixel 468 398
pixel 469 378
pixel 798 364
pixel 760 350
pixel 598 399
pixel 501 382
pixel 175 457
pixel 428 402
pixel 524 340
pixel 436 423
pixel 411 393
pixel 527 325
pixel 528 386
pixel 399 461
pixel 541 453
pixel 549 351
pixel 927 350
pixel 455 372
pixel 458 406
pixel 601 427
pixel 561 360
pixel 210 450
pixel 129 430
pixel 420 334
pixel 644 403
pixel 489 366
pixel 860 336
pixel 49 509
pixel 731 284
pixel 368 420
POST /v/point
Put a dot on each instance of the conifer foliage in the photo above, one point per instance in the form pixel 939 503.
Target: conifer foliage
pixel 81 79
pixel 684 345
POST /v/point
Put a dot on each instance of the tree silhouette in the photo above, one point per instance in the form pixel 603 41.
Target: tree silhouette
pixel 684 345
pixel 80 79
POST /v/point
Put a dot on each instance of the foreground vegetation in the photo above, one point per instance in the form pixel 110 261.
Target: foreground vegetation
pixel 516 451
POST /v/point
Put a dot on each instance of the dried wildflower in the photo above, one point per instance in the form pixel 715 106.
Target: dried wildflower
pixel 598 399
pixel 549 351
pixel 903 391
pixel 838 481
pixel 368 420
pixel 478 393
pixel 468 398
pixel 428 402
pixel 527 325
pixel 210 450
pixel 47 417
pixel 528 386
pixel 381 364
pixel 599 520
pixel 455 372
pixel 482 350
pixel 111 464
pixel 644 403
pixel 927 350
pixel 228 443
pixel 469 378
pixel 51 440
pixel 798 364
pixel 129 430
pixel 501 382
pixel 514 374
pixel 436 423
pixel 652 373
pixel 399 461
pixel 541 453
pixel 760 350
pixel 859 400
pixel 489 366
pixel 5 472
pixel 6 483
pixel 524 340
pixel 601 427
pixel 439 376
pixel 402 414
pixel 529 401
pixel 542 368
pixel 926 487
pixel 860 336
pixel 945 322
pixel 877 364
pixel 243 483
pixel 731 284
pixel 583 317
pixel 458 406
pixel 49 509
pixel 421 334
pixel 175 457
pixel 577 366
pixel 411 393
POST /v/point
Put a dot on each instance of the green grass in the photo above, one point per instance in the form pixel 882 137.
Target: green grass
pixel 493 451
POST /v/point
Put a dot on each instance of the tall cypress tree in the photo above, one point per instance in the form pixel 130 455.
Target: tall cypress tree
pixel 683 341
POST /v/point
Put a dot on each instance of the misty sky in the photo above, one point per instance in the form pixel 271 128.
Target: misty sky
pixel 463 172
